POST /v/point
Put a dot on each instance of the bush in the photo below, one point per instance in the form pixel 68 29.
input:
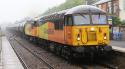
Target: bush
pixel 116 21
pixel 123 22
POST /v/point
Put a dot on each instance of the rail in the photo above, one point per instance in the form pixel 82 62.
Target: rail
pixel 50 67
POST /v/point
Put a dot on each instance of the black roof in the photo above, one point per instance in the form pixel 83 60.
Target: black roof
pixel 75 10
pixel 84 9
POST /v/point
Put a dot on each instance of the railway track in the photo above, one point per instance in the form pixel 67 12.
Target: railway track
pixel 98 64
pixel 20 58
pixel 55 64
pixel 34 54
pixel 108 65
pixel 95 65
pixel 37 56
pixel 51 63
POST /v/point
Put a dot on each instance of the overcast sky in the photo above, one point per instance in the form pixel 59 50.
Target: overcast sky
pixel 12 10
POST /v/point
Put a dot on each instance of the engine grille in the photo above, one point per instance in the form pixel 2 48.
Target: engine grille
pixel 92 36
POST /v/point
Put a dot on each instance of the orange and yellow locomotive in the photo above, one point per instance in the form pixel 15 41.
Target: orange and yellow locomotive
pixel 80 30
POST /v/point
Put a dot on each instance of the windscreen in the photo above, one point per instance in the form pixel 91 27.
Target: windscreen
pixel 81 19
pixel 99 19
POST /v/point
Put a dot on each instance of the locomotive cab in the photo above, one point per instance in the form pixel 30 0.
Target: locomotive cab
pixel 87 27
pixel 82 30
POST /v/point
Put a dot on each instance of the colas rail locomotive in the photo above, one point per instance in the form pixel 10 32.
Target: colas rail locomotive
pixel 80 31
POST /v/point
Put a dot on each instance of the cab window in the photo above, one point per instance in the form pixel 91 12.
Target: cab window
pixel 58 25
pixel 68 21
pixel 81 19
pixel 35 23
pixel 99 19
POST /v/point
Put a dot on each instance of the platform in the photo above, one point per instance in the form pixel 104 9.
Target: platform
pixel 9 59
pixel 118 45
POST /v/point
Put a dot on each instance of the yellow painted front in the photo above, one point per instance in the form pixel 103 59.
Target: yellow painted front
pixel 86 34
pixel 42 29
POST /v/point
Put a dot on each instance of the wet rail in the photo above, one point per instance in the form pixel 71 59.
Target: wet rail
pixel 35 55
pixel 20 58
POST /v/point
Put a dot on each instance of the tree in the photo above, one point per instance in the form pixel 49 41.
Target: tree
pixel 90 2
pixel 123 22
pixel 117 21
pixel 68 4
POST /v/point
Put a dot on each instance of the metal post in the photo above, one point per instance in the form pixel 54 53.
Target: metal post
pixel 112 17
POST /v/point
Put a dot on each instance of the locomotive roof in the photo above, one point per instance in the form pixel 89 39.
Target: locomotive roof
pixel 74 10
pixel 79 9
pixel 84 9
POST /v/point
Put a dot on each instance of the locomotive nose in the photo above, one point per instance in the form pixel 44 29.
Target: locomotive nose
pixel 89 35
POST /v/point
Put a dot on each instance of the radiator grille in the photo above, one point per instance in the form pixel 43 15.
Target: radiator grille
pixel 91 36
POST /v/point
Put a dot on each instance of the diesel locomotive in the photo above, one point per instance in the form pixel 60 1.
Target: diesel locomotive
pixel 78 31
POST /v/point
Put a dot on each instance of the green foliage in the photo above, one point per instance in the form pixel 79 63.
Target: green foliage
pixel 123 22
pixel 90 2
pixel 116 21
pixel 68 4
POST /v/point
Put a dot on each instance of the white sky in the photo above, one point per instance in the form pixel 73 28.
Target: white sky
pixel 12 10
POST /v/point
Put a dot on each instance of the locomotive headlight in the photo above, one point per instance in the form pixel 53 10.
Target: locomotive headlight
pixel 105 37
pixel 78 38
pixel 92 29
